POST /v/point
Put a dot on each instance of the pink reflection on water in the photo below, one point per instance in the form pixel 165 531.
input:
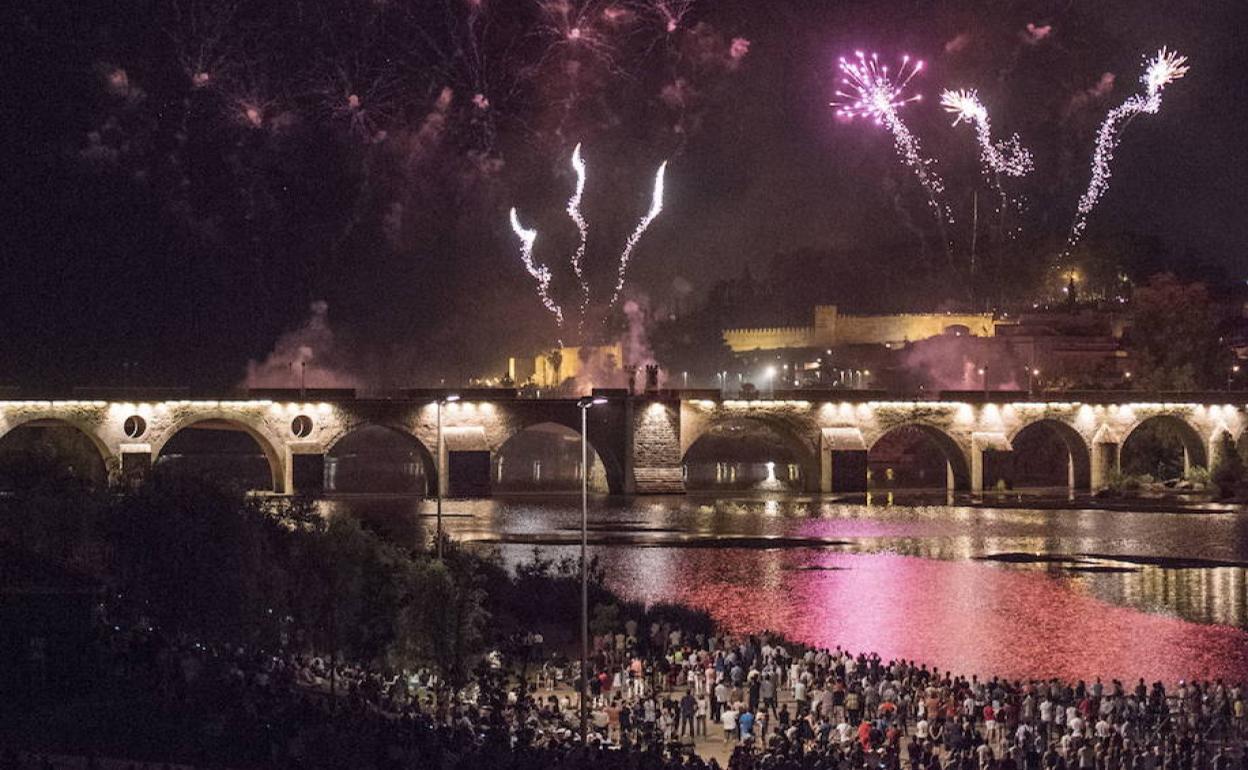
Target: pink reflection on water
pixel 969 617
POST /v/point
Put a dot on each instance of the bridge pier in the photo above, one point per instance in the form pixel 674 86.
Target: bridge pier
pixel 654 447
pixel 990 456
pixel 1106 457
pixel 305 472
pixel 842 460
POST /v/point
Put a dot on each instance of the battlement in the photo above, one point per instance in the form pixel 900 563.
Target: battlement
pixel 832 329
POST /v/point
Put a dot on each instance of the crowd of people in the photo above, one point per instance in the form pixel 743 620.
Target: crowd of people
pixel 660 698
pixel 783 706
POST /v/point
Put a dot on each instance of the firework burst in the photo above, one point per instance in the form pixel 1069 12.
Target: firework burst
pixel 1162 70
pixel 1006 157
pixel 870 90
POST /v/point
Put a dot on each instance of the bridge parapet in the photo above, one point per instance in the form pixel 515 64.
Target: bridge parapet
pixel 643 440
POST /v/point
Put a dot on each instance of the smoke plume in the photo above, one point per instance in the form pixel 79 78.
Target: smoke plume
pixel 310 355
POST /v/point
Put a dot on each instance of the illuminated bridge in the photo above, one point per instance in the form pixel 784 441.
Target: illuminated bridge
pixel 645 443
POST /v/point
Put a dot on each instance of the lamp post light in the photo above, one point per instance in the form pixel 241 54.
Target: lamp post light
pixel 1230 377
pixel 585 404
pixel 770 375
pixel 983 373
pixel 1032 373
pixel 448 398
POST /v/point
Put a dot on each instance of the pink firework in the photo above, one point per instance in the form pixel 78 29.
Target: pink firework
pixel 871 90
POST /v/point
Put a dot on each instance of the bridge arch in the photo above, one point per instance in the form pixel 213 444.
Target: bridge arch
pixel 78 445
pixel 267 445
pixel 1163 446
pixel 726 439
pixel 538 453
pixel 399 460
pixel 1029 444
pixel 894 443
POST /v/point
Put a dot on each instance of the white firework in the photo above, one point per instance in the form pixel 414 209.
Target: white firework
pixel 1162 70
pixel 540 273
pixel 656 208
pixel 1006 157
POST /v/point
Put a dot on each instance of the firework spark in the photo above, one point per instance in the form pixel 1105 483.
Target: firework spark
pixel 1008 156
pixel 1162 70
pixel 671 12
pixel 582 227
pixel 656 208
pixel 540 273
pixel 871 91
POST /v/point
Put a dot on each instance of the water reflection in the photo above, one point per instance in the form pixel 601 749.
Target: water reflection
pixel 987 590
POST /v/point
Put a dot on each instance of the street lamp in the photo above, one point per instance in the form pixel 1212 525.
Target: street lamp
pixel 770 374
pixel 585 404
pixel 1230 378
pixel 1031 374
pixel 448 398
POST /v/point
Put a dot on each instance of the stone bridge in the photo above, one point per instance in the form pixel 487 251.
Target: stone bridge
pixel 642 440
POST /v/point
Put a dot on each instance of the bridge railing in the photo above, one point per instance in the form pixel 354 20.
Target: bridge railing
pixel 140 394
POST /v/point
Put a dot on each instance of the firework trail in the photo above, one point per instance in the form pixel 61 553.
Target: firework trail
pixel 540 273
pixel 1007 157
pixel 1162 70
pixel 871 91
pixel 656 208
pixel 582 227
pixel 671 12
pixel 1003 158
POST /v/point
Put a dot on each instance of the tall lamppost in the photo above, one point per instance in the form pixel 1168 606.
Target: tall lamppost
pixel 770 374
pixel 585 404
pixel 447 398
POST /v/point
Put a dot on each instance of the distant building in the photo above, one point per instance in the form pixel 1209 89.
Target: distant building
pixel 934 351
pixel 555 367
pixel 831 329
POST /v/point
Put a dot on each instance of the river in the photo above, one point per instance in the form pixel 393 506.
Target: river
pixel 1012 592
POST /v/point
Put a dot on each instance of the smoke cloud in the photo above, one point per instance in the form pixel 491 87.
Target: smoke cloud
pixel 601 369
pixel 1034 34
pixel 1103 87
pixel 952 362
pixel 310 355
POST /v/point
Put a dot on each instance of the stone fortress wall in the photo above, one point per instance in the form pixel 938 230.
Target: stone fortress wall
pixel 832 329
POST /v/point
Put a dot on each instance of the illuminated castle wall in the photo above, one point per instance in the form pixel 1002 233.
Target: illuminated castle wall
pixel 563 364
pixel 831 329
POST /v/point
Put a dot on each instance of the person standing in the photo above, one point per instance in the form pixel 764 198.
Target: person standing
pixel 746 724
pixel 720 702
pixel 728 720
pixel 688 707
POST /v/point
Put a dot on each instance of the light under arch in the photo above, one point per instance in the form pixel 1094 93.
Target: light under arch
pixel 429 465
pixel 1078 452
pixel 805 455
pixel 612 469
pixel 1195 453
pixel 955 458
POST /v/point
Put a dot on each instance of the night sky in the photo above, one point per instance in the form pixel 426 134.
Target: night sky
pixel 187 182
